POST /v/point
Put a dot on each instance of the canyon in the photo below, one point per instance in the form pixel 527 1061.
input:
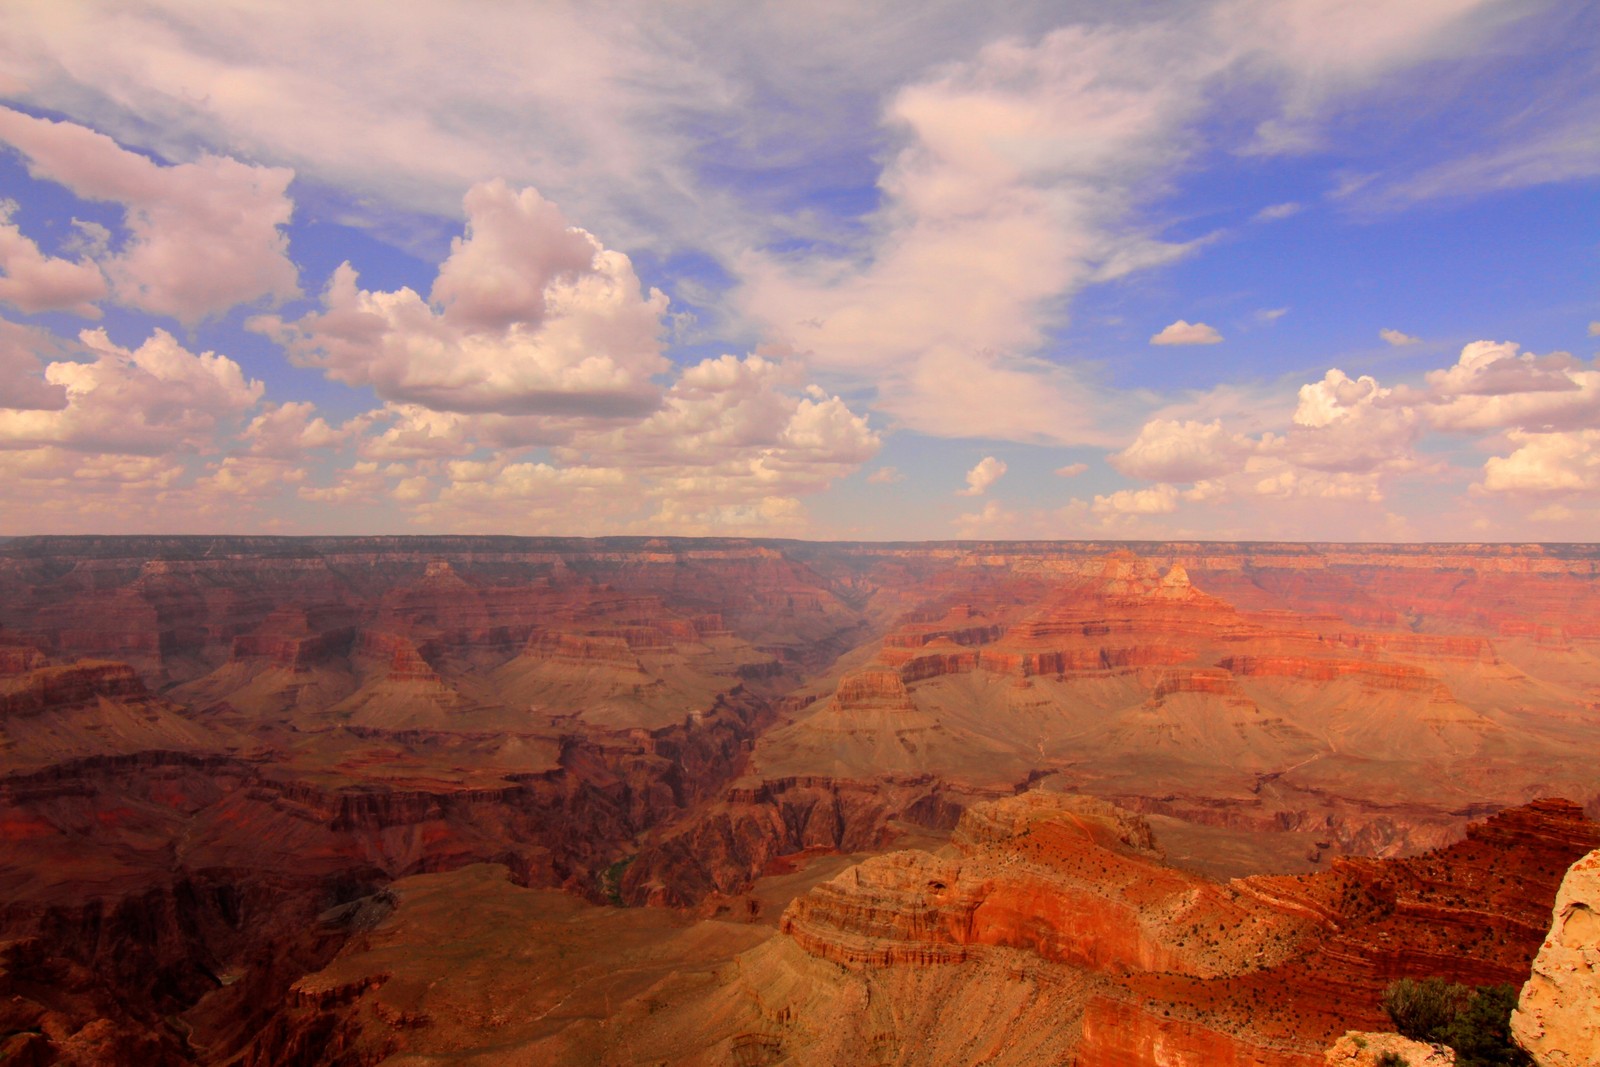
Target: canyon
pixel 384 799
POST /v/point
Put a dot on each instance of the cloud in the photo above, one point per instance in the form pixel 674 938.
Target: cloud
pixel 1156 500
pixel 289 431
pixel 991 521
pixel 22 382
pixel 1185 333
pixel 528 316
pixel 987 471
pixel 1071 470
pixel 1546 463
pixel 1349 425
pixel 886 476
pixel 1170 451
pixel 32 282
pixel 155 399
pixel 1270 315
pixel 1274 212
pixel 1396 338
pixel 734 440
pixel 1494 385
pixel 203 237
pixel 1594 329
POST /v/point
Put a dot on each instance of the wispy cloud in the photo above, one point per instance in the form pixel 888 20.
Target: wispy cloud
pixel 1398 338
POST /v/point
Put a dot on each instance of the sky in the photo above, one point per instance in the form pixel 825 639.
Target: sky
pixel 1240 269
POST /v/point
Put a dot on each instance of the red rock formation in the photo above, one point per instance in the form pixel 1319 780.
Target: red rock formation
pixel 45 688
pixel 1258 971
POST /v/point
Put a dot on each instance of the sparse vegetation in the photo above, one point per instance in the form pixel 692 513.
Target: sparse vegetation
pixel 611 881
pixel 1474 1022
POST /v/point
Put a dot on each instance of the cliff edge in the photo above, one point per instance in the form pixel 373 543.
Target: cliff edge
pixel 1557 1019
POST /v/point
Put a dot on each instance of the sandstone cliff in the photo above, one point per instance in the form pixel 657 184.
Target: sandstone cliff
pixel 1558 1015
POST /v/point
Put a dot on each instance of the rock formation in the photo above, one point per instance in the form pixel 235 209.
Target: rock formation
pixel 1558 1015
pixel 1357 1049
pixel 217 752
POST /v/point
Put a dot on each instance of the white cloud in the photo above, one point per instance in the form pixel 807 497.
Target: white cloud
pixel 991 521
pixel 154 399
pixel 987 471
pixel 1350 425
pixel 1170 451
pixel 32 281
pixel 1071 470
pixel 1594 329
pixel 1546 463
pixel 22 381
pixel 737 441
pixel 886 476
pixel 1271 314
pixel 528 316
pixel 1494 385
pixel 288 431
pixel 1185 333
pixel 771 516
pixel 202 237
pixel 1156 500
pixel 250 477
pixel 1274 212
pixel 1397 338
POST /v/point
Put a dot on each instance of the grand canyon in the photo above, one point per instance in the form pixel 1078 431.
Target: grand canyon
pixel 416 800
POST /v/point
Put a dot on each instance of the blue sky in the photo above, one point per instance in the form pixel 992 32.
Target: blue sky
pixel 1316 269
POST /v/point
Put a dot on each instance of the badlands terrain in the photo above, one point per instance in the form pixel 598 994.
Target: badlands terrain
pixel 506 800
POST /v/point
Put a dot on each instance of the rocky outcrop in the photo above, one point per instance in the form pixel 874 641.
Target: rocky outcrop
pixel 1557 1019
pixel 1371 1049
pixel 1192 973
pixel 1071 879
pixel 45 688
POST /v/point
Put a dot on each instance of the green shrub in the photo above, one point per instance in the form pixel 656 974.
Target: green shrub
pixel 1422 1010
pixel 1474 1022
pixel 1392 1059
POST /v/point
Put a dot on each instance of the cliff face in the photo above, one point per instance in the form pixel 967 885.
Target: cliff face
pixel 194 728
pixel 1190 972
pixel 1558 1014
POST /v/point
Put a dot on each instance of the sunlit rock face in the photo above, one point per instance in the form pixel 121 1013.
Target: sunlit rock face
pixel 1368 1050
pixel 217 753
pixel 1558 1014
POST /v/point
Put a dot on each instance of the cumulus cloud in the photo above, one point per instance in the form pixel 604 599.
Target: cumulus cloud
pixel 1155 500
pixel 734 444
pixel 1071 470
pixel 289 431
pixel 1494 385
pixel 31 281
pixel 886 476
pixel 1270 315
pixel 1186 333
pixel 1546 463
pixel 157 398
pixel 1594 329
pixel 987 471
pixel 528 316
pixel 1397 338
pixel 746 418
pixel 1170 451
pixel 1350 425
pixel 202 237
pixel 992 520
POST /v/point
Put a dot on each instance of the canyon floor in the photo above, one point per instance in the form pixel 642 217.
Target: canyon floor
pixel 631 800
